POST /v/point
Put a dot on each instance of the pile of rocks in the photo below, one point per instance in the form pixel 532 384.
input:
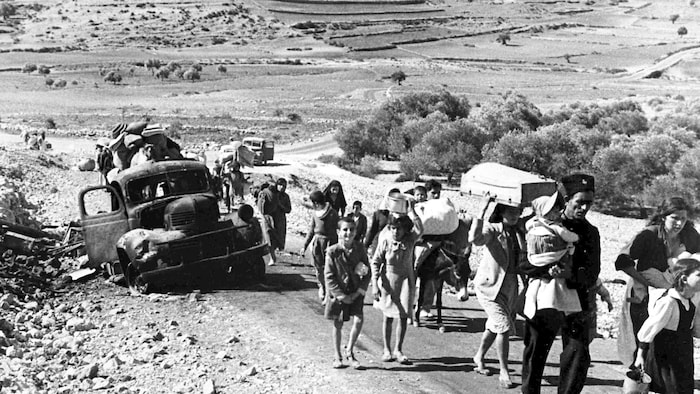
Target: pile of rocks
pixel 14 207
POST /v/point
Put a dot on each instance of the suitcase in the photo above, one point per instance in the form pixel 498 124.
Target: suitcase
pixel 507 185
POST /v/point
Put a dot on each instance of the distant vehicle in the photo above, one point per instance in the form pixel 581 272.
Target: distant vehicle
pixel 160 221
pixel 264 149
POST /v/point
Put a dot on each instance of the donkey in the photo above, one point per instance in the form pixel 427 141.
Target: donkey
pixel 444 258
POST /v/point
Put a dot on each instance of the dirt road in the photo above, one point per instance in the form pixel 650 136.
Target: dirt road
pixel 442 362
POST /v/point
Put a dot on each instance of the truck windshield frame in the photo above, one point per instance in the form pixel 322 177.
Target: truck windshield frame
pixel 168 184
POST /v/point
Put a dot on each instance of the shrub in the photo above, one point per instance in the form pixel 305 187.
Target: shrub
pixel 153 65
pixel 7 9
pixel 48 82
pixel 173 65
pixel 294 117
pixel 398 77
pixel 163 73
pixel 61 83
pixel 510 112
pixel 222 69
pixel 49 123
pixel 113 77
pixel 674 18
pixel 44 70
pixel 369 167
pixel 197 67
pixel 191 75
pixel 29 68
pixel 503 38
pixel 682 31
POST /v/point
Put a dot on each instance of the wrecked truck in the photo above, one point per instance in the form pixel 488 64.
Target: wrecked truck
pixel 158 223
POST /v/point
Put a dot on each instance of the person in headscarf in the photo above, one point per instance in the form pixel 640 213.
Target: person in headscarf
pixel 335 196
pixel 268 205
pixel 380 218
pixel 285 206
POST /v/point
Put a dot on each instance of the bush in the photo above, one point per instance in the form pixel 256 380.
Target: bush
pixel 173 65
pixel 510 112
pixel 29 68
pixel 191 75
pixel 7 9
pixel 222 69
pixel 49 82
pixel 61 83
pixel 503 38
pixel 44 70
pixel 153 65
pixel 163 73
pixel 293 117
pixel 682 31
pixel 398 77
pixel 369 167
pixel 50 124
pixel 113 77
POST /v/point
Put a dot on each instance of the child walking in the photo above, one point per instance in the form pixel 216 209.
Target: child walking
pixel 347 278
pixel 665 349
pixel 393 278
pixel 322 234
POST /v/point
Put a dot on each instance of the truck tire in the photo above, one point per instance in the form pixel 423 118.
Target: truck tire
pixel 135 282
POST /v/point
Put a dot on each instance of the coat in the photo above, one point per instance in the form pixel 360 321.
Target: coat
pixel 494 263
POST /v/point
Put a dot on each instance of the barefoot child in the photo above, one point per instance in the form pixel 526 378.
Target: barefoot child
pixel 665 350
pixel 322 234
pixel 393 278
pixel 347 279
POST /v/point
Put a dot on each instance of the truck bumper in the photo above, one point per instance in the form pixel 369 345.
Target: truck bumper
pixel 238 262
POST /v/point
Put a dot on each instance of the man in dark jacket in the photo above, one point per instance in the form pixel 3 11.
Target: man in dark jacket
pixel 578 191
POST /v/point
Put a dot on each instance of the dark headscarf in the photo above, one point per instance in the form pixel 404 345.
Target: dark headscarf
pixel 339 202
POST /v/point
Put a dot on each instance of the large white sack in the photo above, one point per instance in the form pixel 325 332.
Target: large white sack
pixel 439 216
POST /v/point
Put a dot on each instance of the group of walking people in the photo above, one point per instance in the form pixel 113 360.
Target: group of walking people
pixel 544 267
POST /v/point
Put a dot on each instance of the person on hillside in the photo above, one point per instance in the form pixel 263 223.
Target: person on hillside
pixel 647 259
pixel 322 234
pixel 665 349
pixel 268 205
pixel 394 279
pixel 104 158
pixel 496 280
pixel 578 191
pixel 360 221
pixel 285 207
pixel 380 218
pixel 335 196
pixel 347 278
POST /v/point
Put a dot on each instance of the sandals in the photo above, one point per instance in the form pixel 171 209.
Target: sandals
pixel 402 359
pixel 505 383
pixel 352 360
pixel 387 357
pixel 338 363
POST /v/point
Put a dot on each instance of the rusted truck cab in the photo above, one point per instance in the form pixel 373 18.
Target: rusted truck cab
pixel 159 223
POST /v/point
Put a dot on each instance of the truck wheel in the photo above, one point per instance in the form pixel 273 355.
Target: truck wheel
pixel 135 282
pixel 259 270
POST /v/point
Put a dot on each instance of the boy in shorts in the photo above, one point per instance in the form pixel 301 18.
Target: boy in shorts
pixel 347 278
